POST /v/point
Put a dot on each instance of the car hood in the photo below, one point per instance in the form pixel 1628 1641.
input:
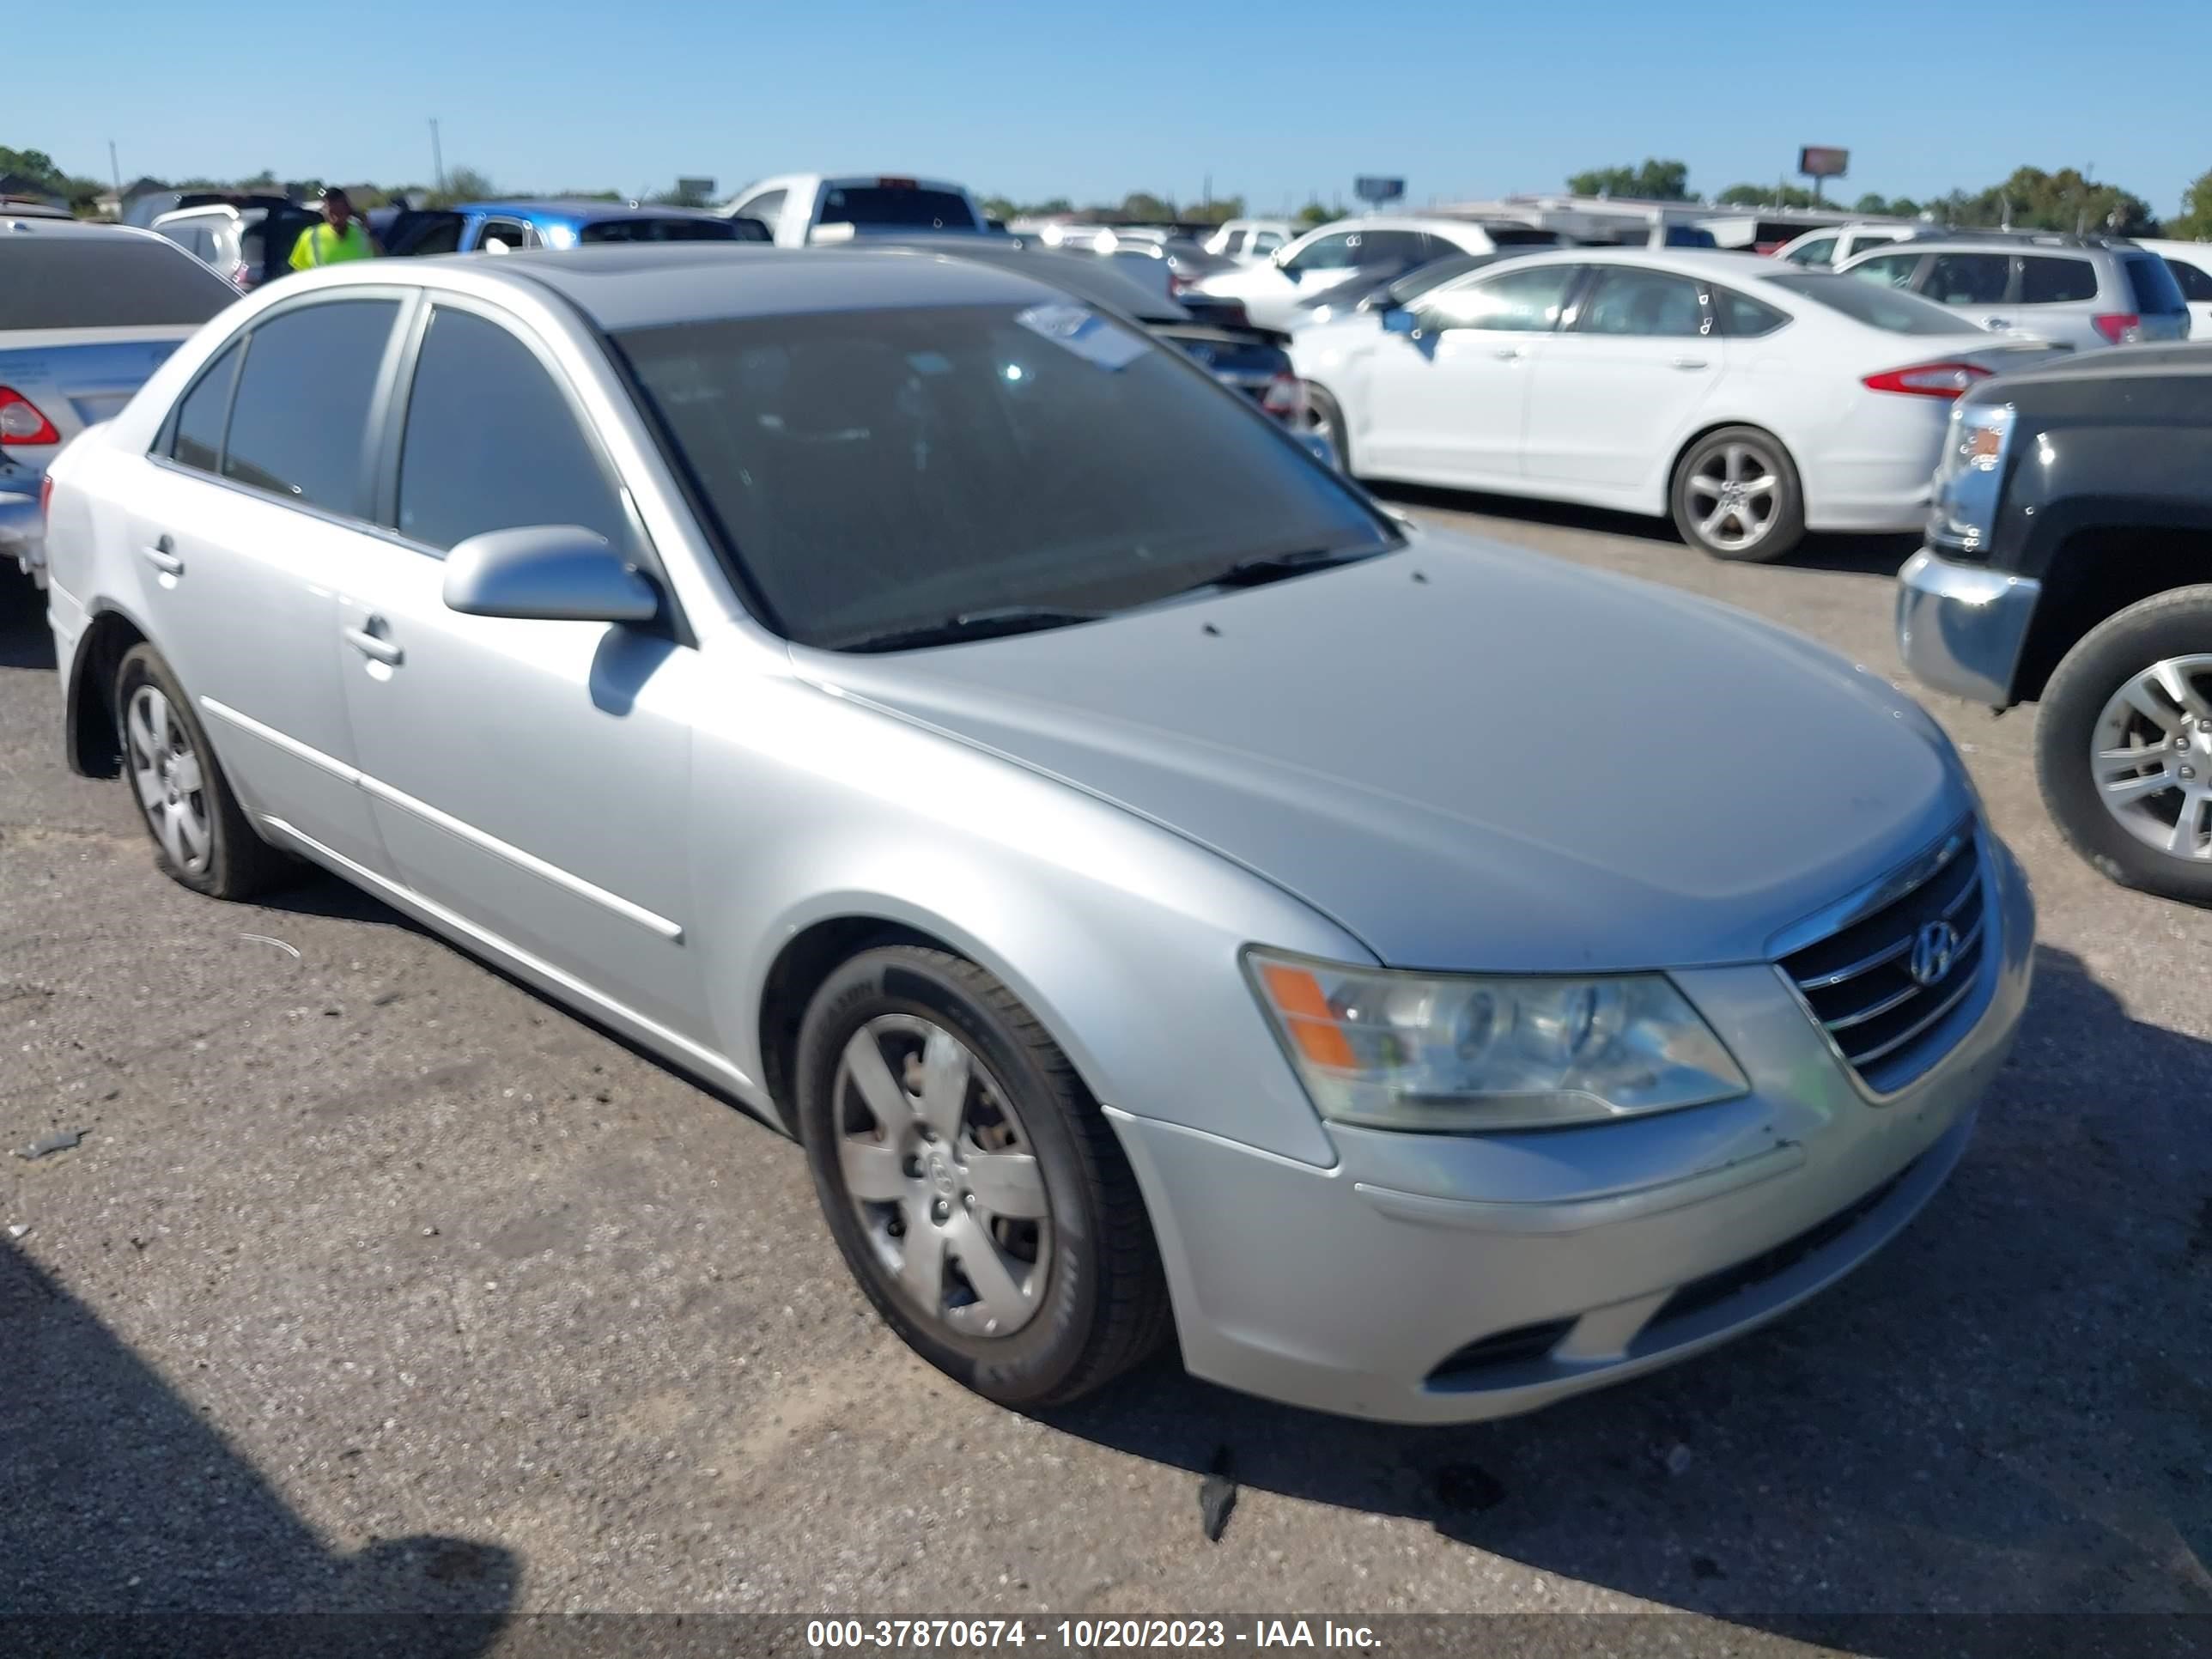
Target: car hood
pixel 1467 755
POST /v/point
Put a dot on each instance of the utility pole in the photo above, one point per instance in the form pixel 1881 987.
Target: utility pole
pixel 115 167
pixel 437 156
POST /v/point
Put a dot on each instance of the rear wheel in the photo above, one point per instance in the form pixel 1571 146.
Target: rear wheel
pixel 1325 417
pixel 201 836
pixel 1736 496
pixel 974 1187
pixel 2123 745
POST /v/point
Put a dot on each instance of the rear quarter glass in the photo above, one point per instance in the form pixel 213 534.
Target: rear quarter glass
pixel 2152 285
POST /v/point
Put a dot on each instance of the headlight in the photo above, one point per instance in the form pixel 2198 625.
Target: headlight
pixel 1456 1055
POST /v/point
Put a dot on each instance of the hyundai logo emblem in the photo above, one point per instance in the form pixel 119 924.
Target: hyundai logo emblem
pixel 1935 947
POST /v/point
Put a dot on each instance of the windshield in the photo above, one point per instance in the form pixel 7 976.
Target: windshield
pixel 880 470
pixel 1891 310
pixel 643 229
pixel 117 281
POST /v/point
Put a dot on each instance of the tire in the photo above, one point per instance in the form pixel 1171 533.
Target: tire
pixel 1326 416
pixel 1777 513
pixel 214 848
pixel 2081 716
pixel 1095 1301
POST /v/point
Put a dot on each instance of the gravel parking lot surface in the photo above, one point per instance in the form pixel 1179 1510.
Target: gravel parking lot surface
pixel 375 1280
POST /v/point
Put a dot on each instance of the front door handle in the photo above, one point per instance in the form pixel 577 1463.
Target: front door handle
pixel 1689 362
pixel 1996 322
pixel 163 558
pixel 1509 354
pixel 372 644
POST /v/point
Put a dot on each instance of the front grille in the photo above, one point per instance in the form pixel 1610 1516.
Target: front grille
pixel 1716 1288
pixel 1859 980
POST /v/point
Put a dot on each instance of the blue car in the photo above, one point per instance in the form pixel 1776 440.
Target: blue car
pixel 510 227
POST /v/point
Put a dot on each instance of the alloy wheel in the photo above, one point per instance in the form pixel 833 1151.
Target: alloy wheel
pixel 2151 756
pixel 171 783
pixel 943 1176
pixel 1736 493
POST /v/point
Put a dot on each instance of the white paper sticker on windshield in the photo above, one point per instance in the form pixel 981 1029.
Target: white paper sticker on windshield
pixel 1084 332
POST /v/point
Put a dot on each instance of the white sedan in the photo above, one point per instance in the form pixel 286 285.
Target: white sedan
pixel 1749 401
pixel 1335 253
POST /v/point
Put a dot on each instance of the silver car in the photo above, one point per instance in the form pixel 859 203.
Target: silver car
pixel 2087 292
pixel 1150 880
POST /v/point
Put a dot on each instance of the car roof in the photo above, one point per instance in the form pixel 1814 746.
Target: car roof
pixel 73 227
pixel 2009 243
pixel 1715 264
pixel 581 209
pixel 627 285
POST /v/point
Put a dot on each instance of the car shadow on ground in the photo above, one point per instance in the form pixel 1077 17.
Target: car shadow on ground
pixel 1851 556
pixel 129 1525
pixel 25 642
pixel 2010 1410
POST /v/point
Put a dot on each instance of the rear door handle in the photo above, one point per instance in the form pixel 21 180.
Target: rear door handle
pixel 1997 322
pixel 1689 362
pixel 1508 354
pixel 161 555
pixel 375 645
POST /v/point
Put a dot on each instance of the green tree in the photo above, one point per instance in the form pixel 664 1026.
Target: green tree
pixel 1143 204
pixel 462 184
pixel 1774 195
pixel 1313 213
pixel 31 164
pixel 1873 204
pixel 1654 181
pixel 1219 210
pixel 2195 223
pixel 2032 199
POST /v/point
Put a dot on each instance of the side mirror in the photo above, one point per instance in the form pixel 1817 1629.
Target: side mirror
pixel 1399 320
pixel 547 573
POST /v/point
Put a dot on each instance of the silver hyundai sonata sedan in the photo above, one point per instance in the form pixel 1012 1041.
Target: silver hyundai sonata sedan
pixel 1152 882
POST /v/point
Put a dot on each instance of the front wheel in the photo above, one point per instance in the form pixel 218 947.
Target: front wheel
pixel 972 1184
pixel 1736 496
pixel 2123 745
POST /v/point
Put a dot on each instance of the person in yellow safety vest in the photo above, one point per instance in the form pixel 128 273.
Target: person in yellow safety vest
pixel 340 236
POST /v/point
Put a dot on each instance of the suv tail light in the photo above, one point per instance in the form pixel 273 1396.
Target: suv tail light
pixel 1284 398
pixel 2120 328
pixel 1928 380
pixel 20 422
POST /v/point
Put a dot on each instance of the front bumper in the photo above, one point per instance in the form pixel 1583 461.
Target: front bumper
pixel 23 533
pixel 1960 627
pixel 1442 1278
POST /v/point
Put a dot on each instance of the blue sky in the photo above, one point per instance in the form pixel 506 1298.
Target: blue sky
pixel 1274 101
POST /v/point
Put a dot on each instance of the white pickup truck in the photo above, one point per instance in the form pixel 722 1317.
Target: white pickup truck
pixel 87 312
pixel 799 208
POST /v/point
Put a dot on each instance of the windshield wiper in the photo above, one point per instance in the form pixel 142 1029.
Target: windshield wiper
pixel 992 623
pixel 1263 567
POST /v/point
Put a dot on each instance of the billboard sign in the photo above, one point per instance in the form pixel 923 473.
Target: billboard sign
pixel 1817 161
pixel 1378 191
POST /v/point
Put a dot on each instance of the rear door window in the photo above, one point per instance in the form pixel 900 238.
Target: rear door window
pixel 2194 280
pixel 1887 270
pixel 300 418
pixel 97 280
pixel 1391 248
pixel 1653 303
pixel 1968 279
pixel 1338 251
pixel 1820 251
pixel 491 444
pixel 2155 291
pixel 2044 281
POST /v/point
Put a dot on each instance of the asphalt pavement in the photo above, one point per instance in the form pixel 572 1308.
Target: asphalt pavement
pixel 376 1281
